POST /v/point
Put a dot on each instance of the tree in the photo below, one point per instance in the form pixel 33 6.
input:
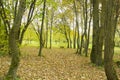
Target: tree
pixel 96 57
pixel 84 34
pixel 8 13
pixel 4 17
pixel 74 37
pixel 85 11
pixel 89 29
pixel 66 30
pixel 77 26
pixel 41 29
pixel 14 42
pixel 111 16
pixel 51 26
pixel 3 39
pixel 47 21
pixel 29 20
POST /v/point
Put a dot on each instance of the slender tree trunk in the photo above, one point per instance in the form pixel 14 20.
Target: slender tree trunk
pixel 70 41
pixel 77 26
pixel 4 18
pixel 14 42
pixel 41 30
pixel 88 38
pixel 30 14
pixel 84 35
pixel 85 31
pixel 46 28
pixel 74 38
pixel 52 15
pixel 74 33
pixel 66 36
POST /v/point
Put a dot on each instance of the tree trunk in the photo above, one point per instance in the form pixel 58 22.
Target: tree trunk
pixel 110 27
pixel 66 36
pixel 84 35
pixel 14 49
pixel 30 14
pixel 4 18
pixel 52 15
pixel 14 42
pixel 100 47
pixel 41 30
pixel 88 37
pixel 77 26
pixel 74 38
pixel 70 41
pixel 74 32
pixel 85 30
pixel 46 45
pixel 95 56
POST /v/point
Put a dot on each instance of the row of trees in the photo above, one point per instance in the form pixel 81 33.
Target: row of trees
pixel 76 17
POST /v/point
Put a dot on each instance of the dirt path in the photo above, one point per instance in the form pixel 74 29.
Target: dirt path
pixel 56 64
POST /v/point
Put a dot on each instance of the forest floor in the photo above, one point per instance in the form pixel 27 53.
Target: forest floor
pixel 55 64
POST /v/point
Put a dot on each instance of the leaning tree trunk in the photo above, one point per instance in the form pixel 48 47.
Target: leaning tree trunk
pixel 14 42
pixel 29 20
pixel 110 27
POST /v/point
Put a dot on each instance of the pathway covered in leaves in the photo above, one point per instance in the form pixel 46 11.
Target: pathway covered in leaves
pixel 55 64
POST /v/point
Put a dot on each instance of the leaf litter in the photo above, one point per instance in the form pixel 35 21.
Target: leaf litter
pixel 55 64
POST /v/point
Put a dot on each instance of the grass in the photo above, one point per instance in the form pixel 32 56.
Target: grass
pixel 36 43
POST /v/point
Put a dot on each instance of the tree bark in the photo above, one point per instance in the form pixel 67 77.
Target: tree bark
pixel 52 15
pixel 77 26
pixel 70 41
pixel 4 18
pixel 29 19
pixel 85 30
pixel 66 36
pixel 41 30
pixel 95 55
pixel 110 27
pixel 47 21
pixel 74 30
pixel 88 37
pixel 14 43
pixel 74 38
pixel 84 34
